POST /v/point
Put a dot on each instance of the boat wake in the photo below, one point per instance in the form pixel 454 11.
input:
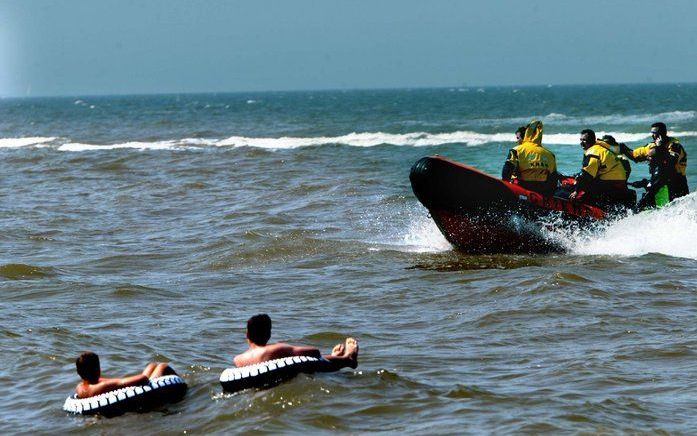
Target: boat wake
pixel 671 231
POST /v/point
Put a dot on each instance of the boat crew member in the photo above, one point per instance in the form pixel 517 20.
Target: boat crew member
pixel 603 178
pixel 519 135
pixel 677 186
pixel 617 149
pixel 531 165
pixel 662 171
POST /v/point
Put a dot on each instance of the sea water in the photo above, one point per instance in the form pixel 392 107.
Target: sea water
pixel 149 228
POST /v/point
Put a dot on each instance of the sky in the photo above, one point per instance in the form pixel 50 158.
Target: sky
pixel 94 47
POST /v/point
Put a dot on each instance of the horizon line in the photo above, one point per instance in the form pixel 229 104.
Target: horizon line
pixel 397 88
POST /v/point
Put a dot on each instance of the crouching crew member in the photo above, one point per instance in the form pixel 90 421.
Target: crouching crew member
pixel 530 164
pixel 603 178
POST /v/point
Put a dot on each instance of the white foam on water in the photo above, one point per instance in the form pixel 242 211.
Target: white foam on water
pixel 404 227
pixel 573 138
pixel 24 142
pixel 671 230
pixel 423 236
pixel 365 139
pixel 158 145
pixel 369 139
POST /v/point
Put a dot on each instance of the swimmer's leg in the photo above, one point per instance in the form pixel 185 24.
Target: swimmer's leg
pixel 349 357
pixel 149 370
pixel 338 350
pixel 162 369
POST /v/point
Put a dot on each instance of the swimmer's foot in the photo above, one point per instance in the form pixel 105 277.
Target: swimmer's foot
pixel 338 350
pixel 351 352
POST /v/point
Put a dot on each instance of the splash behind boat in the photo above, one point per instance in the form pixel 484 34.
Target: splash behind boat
pixel 481 214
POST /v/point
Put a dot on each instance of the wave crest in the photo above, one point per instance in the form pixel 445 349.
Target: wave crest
pixel 24 142
pixel 364 139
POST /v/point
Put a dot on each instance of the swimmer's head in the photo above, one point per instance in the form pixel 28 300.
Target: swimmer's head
pixel 88 367
pixel 259 329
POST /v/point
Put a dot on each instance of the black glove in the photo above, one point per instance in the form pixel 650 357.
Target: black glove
pixel 625 150
pixel 639 184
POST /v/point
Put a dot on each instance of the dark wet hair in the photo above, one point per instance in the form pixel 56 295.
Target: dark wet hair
pixel 661 127
pixel 609 139
pixel 259 329
pixel 88 367
pixel 588 132
pixel 521 130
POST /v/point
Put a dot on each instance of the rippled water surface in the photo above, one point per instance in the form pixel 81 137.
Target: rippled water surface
pixel 151 228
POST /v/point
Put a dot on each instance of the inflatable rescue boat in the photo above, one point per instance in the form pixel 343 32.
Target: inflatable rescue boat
pixel 480 214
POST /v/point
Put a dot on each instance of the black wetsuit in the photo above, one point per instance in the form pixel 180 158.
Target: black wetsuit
pixel 662 173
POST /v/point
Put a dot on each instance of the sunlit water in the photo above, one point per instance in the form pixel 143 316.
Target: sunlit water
pixel 151 228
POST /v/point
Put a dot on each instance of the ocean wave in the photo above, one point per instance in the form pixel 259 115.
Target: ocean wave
pixel 594 120
pixel 613 119
pixel 156 145
pixel 20 271
pixel 24 142
pixel 365 139
pixel 370 139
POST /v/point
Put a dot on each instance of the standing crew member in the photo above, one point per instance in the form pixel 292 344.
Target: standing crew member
pixel 530 164
pixel 678 185
pixel 603 178
pixel 662 172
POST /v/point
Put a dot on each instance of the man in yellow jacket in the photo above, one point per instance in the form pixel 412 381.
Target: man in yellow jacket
pixel 603 178
pixel 531 165
pixel 677 185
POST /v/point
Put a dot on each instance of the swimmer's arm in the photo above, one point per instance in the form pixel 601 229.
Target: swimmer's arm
pixel 239 361
pixel 112 384
pixel 280 350
pixel 306 351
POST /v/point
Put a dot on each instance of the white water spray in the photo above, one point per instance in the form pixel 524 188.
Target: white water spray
pixel 671 230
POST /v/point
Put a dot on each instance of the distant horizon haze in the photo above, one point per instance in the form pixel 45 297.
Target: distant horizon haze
pixel 178 47
pixel 459 88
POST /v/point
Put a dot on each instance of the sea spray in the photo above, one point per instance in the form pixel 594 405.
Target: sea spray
pixel 422 236
pixel 671 230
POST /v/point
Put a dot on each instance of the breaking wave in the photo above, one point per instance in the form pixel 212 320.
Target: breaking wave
pixel 24 142
pixel 366 139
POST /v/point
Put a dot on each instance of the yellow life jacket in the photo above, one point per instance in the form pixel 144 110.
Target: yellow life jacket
pixel 602 164
pixel 532 162
pixel 640 154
